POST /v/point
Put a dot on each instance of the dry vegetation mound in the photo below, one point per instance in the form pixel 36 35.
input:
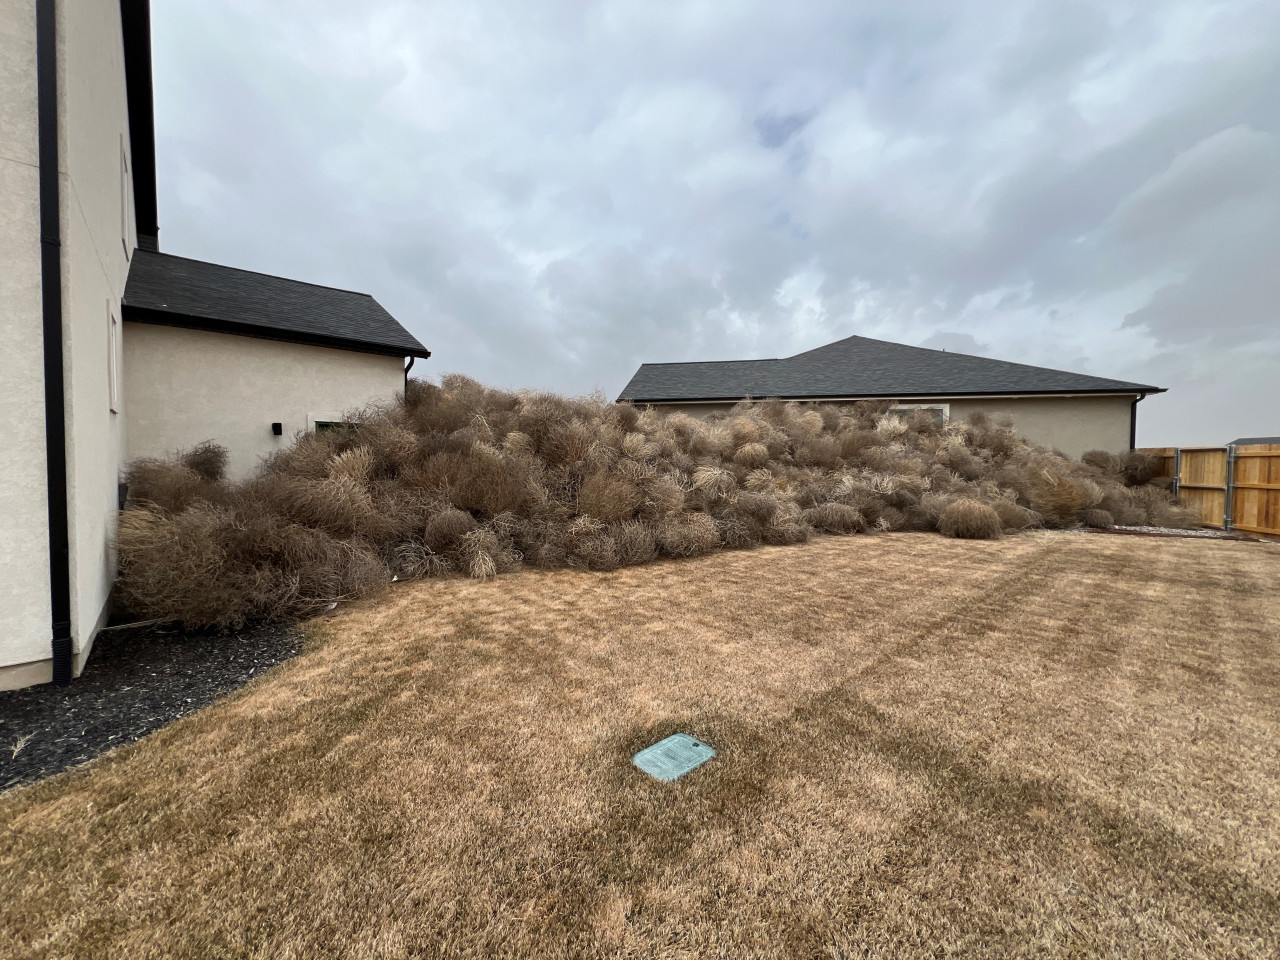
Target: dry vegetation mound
pixel 459 477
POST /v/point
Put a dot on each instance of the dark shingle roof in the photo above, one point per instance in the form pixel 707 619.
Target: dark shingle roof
pixel 192 293
pixel 1253 441
pixel 860 367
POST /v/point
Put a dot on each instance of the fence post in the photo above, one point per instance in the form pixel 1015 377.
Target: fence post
pixel 1231 487
pixel 1177 469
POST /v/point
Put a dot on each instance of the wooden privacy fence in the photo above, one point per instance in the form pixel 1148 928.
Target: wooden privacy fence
pixel 1235 488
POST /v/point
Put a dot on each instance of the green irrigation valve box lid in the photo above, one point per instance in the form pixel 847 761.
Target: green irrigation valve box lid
pixel 673 757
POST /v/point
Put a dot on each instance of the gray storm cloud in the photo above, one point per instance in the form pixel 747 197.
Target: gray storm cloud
pixel 550 193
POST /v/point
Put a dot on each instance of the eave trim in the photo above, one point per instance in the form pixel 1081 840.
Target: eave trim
pixel 168 319
pixel 851 398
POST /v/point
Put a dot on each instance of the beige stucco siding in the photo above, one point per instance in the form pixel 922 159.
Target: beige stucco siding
pixel 97 239
pixel 185 386
pixel 693 409
pixel 24 528
pixel 1073 425
pixel 18 139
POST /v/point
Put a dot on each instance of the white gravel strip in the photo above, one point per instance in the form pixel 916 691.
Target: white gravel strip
pixel 1201 532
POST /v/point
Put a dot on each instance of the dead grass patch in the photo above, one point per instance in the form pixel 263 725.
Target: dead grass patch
pixel 1050 745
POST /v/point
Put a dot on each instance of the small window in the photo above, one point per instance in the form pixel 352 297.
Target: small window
pixel 113 360
pixel 126 199
pixel 327 426
pixel 940 413
pixel 330 421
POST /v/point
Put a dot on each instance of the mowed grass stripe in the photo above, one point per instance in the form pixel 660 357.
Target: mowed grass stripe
pixel 925 746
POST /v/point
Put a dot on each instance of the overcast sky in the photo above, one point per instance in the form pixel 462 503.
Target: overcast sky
pixel 548 193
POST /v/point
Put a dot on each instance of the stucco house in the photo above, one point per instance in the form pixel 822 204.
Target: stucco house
pixel 253 358
pixel 1071 412
pixel 115 350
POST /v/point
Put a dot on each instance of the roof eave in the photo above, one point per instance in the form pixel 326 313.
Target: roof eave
pixel 135 22
pixel 1119 390
pixel 167 318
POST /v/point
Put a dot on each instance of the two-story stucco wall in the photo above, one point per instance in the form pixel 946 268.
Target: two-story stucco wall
pixel 99 236
pixel 96 237
pixel 186 386
pixel 25 612
pixel 1073 424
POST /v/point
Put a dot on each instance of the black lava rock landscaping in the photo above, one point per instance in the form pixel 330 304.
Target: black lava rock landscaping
pixel 137 680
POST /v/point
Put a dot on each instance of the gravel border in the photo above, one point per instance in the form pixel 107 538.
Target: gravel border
pixel 137 680
pixel 1196 534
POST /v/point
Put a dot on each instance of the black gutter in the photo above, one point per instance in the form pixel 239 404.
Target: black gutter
pixel 408 367
pixel 854 398
pixel 169 319
pixel 55 413
pixel 1133 420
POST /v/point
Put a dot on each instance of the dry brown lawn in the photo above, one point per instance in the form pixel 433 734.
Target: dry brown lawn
pixel 1051 745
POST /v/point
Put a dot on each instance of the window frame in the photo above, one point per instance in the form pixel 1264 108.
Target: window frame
pixel 332 426
pixel 945 408
pixel 126 207
pixel 324 422
pixel 113 360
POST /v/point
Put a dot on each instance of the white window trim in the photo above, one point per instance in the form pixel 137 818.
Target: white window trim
pixel 113 360
pixel 944 407
pixel 314 418
pixel 126 205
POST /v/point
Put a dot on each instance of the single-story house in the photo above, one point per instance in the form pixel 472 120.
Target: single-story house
pixel 115 350
pixel 255 359
pixel 1071 412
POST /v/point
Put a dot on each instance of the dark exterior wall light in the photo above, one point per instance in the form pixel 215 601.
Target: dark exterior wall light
pixel 277 429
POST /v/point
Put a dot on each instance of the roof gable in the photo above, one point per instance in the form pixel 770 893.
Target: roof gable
pixel 177 291
pixel 861 367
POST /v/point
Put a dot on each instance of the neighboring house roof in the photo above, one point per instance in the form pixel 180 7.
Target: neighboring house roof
pixel 177 291
pixel 860 367
pixel 1250 441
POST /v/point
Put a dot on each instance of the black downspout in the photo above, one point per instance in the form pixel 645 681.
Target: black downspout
pixel 55 412
pixel 1133 421
pixel 406 375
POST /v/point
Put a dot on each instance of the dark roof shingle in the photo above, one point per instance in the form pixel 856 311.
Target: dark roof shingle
pixel 860 367
pixel 193 293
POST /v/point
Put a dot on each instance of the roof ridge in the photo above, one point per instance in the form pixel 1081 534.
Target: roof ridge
pixel 864 366
pixel 969 356
pixel 676 363
pixel 852 336
pixel 256 273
